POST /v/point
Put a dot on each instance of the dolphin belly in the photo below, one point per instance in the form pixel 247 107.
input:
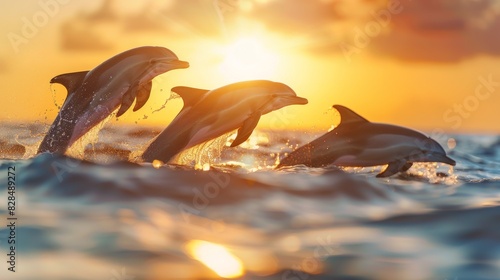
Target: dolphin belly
pixel 186 132
pixel 214 130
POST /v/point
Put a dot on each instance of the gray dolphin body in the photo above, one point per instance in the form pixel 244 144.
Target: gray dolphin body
pixel 358 142
pixel 94 95
pixel 209 114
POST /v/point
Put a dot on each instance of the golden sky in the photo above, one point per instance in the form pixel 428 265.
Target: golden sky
pixel 427 64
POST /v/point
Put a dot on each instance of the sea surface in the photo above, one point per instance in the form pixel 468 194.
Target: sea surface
pixel 225 212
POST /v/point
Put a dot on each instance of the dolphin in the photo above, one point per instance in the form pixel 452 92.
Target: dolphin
pixel 359 142
pixel 208 114
pixel 93 95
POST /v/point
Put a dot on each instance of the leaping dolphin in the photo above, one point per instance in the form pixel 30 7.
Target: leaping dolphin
pixel 210 114
pixel 94 95
pixel 359 142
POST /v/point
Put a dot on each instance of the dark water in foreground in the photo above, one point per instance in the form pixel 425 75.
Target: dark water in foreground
pixel 106 218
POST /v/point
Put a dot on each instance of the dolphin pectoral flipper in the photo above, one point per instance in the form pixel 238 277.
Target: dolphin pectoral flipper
pixel 127 100
pixel 246 129
pixel 143 93
pixel 407 166
pixel 189 95
pixel 394 167
pixel 138 92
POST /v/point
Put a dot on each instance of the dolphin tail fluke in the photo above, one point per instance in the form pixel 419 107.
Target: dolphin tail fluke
pixel 246 129
pixel 407 166
pixel 395 167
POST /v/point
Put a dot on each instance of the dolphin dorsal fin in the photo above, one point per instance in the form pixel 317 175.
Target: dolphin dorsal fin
pixel 348 116
pixel 189 95
pixel 71 81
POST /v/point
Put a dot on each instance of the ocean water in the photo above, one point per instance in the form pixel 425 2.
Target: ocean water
pixel 225 212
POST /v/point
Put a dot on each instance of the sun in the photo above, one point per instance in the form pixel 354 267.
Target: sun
pixel 248 59
pixel 217 258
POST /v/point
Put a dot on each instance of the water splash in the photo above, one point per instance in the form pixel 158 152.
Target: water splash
pixel 81 146
pixel 172 96
pixel 201 155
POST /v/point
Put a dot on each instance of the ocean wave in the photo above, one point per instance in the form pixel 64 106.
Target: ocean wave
pixel 433 222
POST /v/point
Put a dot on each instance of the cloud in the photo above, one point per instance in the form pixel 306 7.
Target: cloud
pixel 105 13
pixel 77 36
pixel 425 30
pixel 140 23
pixel 98 30
pixel 114 20
pixel 443 31
pixel 4 67
pixel 298 15
pixel 87 31
pixel 196 17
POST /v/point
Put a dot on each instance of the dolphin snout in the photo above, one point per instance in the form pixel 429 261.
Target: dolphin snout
pixel 171 62
pixel 177 64
pixel 442 158
pixel 181 64
pixel 449 161
pixel 297 100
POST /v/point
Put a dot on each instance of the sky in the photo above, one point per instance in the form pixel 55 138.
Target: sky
pixel 431 65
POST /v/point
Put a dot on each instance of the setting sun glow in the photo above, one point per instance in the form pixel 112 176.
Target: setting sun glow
pixel 248 58
pixel 216 257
